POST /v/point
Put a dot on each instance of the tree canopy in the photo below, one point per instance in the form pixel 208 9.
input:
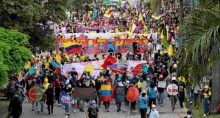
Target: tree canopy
pixel 13 52
pixel 33 17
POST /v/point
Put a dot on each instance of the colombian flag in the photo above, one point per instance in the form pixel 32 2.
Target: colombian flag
pixel 72 47
pixel 56 66
pixel 106 92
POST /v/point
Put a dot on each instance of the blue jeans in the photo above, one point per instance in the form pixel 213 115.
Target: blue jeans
pixel 160 97
pixel 67 108
pixel 206 105
pixel 190 95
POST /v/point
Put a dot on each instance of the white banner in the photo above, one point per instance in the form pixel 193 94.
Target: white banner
pixel 94 67
pixel 132 64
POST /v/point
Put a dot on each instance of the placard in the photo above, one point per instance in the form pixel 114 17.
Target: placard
pixel 172 89
pixel 161 84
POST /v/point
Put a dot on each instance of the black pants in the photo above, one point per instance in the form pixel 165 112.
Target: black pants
pixel 107 104
pixel 133 104
pixel 151 101
pixel 50 108
pixel 118 106
pixel 143 113
pixel 195 98
pixel 181 99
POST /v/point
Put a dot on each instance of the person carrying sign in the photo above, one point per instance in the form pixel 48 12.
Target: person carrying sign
pixel 119 94
pixel 172 90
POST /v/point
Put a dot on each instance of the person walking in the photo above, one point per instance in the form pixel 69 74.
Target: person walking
pixel 173 98
pixel 153 112
pixel 93 110
pixel 119 94
pixel 16 108
pixel 142 104
pixel 50 99
pixel 181 94
pixel 207 98
pixel 196 92
pixel 152 92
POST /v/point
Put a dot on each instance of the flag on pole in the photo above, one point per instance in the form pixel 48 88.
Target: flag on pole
pixel 56 66
pixel 170 50
pixel 109 61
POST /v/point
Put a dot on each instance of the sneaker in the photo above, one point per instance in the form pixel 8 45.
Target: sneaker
pixel 74 111
pixel 32 109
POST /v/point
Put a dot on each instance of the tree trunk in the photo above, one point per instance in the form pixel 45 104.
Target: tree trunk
pixel 215 99
pixel 181 11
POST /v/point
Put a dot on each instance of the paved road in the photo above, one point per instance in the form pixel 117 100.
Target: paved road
pixel 165 112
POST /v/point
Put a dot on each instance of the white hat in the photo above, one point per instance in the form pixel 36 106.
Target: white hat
pixel 153 106
pixel 175 65
pixel 143 91
pixel 127 82
pixel 173 78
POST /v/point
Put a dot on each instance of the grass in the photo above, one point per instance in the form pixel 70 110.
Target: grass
pixel 198 112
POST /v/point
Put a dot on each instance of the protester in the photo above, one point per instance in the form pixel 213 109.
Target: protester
pixel 50 99
pixel 207 99
pixel 16 108
pixel 142 103
pixel 181 94
pixel 152 92
pixel 93 111
pixel 119 94
pixel 153 112
pixel 159 65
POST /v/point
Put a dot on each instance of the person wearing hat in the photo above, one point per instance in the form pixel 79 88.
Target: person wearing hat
pixel 207 98
pixel 153 113
pixel 93 110
pixel 142 103
pixel 173 97
pixel 119 94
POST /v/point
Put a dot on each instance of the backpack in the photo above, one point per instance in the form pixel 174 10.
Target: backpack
pixel 152 93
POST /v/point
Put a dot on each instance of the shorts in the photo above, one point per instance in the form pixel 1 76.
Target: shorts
pixel 74 101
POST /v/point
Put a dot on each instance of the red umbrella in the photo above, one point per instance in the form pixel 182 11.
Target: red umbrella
pixel 132 94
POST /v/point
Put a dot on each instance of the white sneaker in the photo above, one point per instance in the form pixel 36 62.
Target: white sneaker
pixel 74 111
pixel 204 115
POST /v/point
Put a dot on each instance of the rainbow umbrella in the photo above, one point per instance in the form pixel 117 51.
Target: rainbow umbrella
pixel 35 93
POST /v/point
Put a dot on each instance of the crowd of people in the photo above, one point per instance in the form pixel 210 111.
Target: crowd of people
pixel 163 68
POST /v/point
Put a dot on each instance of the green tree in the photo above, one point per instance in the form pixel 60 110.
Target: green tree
pixel 201 49
pixel 77 5
pixel 13 53
pixel 33 17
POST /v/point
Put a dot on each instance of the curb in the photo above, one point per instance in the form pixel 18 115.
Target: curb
pixel 181 114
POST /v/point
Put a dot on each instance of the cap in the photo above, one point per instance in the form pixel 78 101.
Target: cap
pixel 206 87
pixel 143 91
pixel 153 106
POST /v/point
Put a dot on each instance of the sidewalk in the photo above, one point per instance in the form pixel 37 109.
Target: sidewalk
pixel 4 108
